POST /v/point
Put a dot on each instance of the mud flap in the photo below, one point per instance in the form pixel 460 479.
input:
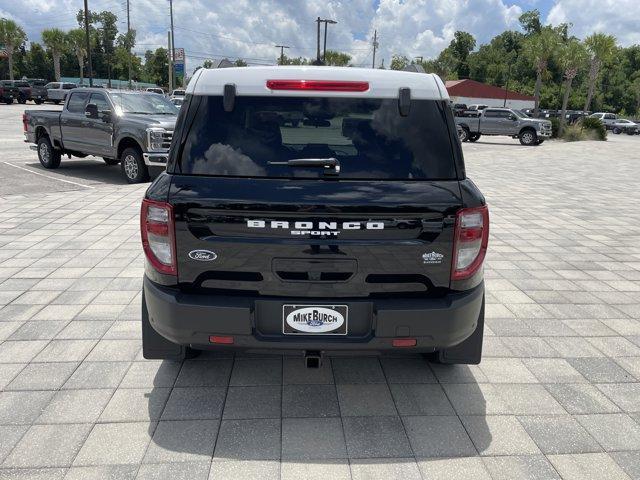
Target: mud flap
pixel 154 345
pixel 468 352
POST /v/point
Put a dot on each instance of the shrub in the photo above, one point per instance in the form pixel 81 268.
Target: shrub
pixel 594 128
pixel 573 133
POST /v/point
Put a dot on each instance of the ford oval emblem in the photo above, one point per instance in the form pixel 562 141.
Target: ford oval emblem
pixel 202 255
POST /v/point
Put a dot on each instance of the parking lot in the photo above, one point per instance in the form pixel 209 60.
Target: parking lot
pixel 557 394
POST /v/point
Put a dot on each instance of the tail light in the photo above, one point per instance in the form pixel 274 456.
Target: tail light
pixel 470 242
pixel 318 85
pixel 25 121
pixel 158 236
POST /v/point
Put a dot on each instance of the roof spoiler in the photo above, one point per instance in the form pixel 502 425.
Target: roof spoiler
pixel 404 101
pixel 229 98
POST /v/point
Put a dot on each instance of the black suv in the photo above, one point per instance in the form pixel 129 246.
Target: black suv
pixel 354 229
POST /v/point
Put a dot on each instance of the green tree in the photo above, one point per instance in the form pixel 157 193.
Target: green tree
pixel 56 42
pixel 399 62
pixel 240 63
pixel 156 67
pixel 107 33
pixel 78 45
pixel 207 64
pixel 37 62
pixel 601 48
pixel 460 47
pixel 572 57
pixel 530 22
pixel 337 59
pixel 539 48
pixel 12 36
pixel 294 61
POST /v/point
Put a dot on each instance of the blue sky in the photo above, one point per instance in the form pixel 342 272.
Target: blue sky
pixel 249 29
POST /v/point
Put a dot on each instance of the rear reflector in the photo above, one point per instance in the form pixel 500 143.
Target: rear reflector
pixel 404 342
pixel 221 340
pixel 318 85
pixel 470 241
pixel 158 236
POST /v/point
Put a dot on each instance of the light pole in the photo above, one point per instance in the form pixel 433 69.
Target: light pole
pixel 324 51
pixel 86 33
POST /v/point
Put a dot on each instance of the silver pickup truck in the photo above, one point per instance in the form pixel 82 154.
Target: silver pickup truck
pixel 504 121
pixel 130 128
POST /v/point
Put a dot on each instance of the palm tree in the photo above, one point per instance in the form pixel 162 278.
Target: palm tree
pixel 77 43
pixel 601 48
pixel 12 36
pixel 56 41
pixel 540 48
pixel 572 57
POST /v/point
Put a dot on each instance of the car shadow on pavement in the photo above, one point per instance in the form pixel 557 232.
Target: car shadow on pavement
pixel 264 409
pixel 90 171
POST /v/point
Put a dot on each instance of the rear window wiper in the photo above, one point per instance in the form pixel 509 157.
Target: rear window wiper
pixel 331 164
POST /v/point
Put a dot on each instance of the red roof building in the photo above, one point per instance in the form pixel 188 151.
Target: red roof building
pixel 472 92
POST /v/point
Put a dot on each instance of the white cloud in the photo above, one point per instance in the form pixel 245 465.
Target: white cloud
pixel 620 18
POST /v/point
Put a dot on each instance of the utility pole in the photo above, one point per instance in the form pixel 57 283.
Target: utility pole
pixel 318 20
pixel 375 46
pixel 281 47
pixel 173 47
pixel 129 40
pixel 86 33
pixel 170 61
pixel 420 58
pixel 326 23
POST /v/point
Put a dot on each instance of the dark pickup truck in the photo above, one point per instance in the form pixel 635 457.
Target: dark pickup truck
pixel 355 230
pixel 133 129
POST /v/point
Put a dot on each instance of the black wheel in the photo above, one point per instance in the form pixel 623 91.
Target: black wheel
pixel 111 161
pixel 295 123
pixel 463 134
pixel 528 137
pixel 22 99
pixel 57 102
pixel 616 130
pixel 49 157
pixel 474 137
pixel 38 101
pixel 9 101
pixel 133 167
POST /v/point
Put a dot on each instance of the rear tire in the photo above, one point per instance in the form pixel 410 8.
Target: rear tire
pixel 156 347
pixel 22 99
pixel 474 137
pixel 133 167
pixel 37 102
pixel 464 134
pixel 49 157
pixel 528 137
pixel 617 131
pixel 57 102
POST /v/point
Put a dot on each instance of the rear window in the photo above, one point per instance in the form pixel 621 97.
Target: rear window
pixel 368 137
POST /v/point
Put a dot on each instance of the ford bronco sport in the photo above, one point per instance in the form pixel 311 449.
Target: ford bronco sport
pixel 354 229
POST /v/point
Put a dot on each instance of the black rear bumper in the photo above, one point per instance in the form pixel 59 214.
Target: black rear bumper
pixel 256 322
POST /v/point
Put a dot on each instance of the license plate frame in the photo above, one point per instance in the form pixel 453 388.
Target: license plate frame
pixel 313 328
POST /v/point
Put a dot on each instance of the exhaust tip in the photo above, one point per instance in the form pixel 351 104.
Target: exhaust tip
pixel 313 359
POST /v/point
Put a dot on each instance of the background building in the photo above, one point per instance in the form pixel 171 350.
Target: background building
pixel 470 92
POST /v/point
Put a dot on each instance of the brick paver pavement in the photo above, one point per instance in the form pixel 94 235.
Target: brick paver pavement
pixel 556 396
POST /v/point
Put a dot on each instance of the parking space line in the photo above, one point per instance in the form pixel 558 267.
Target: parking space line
pixel 47 176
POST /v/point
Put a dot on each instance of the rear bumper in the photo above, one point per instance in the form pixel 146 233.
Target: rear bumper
pixel 255 323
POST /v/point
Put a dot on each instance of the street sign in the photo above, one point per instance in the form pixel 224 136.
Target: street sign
pixel 178 54
pixel 178 69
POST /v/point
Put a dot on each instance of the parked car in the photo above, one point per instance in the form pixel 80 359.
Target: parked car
pixel 7 93
pixel 57 91
pixel 157 90
pixel 478 106
pixel 21 89
pixel 178 93
pixel 358 231
pixel 608 119
pixel 505 121
pixel 177 101
pixel 38 90
pixel 622 125
pixel 11 92
pixel 130 128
